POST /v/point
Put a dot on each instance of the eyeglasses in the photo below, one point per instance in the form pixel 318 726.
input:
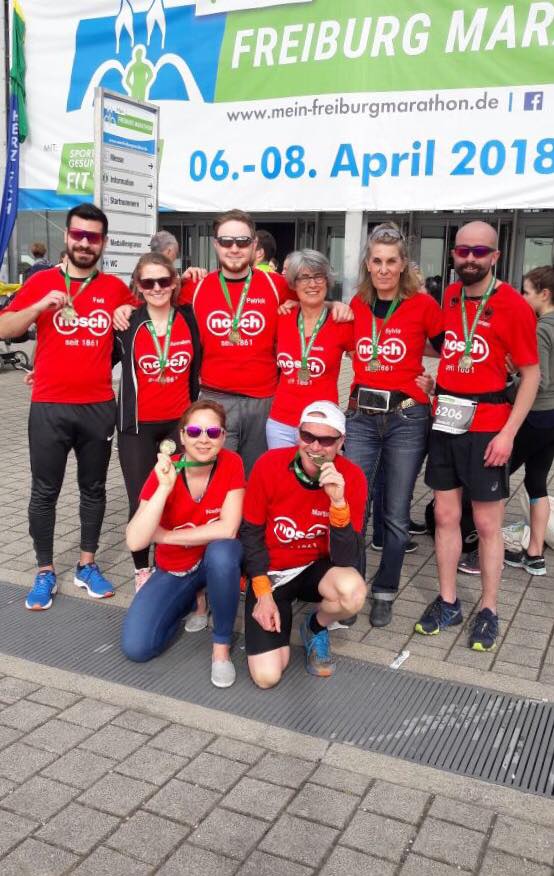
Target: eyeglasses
pixel 78 234
pixel 306 279
pixel 479 251
pixel 227 242
pixel 324 440
pixel 213 432
pixel 149 282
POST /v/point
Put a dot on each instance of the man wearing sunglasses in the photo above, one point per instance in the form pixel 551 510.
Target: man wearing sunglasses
pixel 236 308
pixel 72 406
pixel 302 539
pixel 474 426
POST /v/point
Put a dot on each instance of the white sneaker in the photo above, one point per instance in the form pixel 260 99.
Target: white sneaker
pixel 195 623
pixel 223 673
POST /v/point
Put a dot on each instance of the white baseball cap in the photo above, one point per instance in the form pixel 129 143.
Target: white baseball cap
pixel 324 413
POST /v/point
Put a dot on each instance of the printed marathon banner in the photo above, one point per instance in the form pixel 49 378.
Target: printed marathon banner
pixel 302 105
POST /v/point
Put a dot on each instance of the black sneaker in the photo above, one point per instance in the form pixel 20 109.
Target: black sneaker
pixel 534 565
pixel 469 563
pixel 417 528
pixel 483 631
pixel 513 558
pixel 375 546
pixel 439 615
pixel 380 614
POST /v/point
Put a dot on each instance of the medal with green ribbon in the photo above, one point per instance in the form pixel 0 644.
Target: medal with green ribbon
pixel 306 348
pixel 301 474
pixel 234 335
pixel 465 362
pixel 163 355
pixel 374 364
pixel 169 447
pixel 68 310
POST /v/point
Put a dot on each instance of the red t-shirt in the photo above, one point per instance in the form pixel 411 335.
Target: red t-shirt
pixel 507 325
pixel 249 367
pixel 296 518
pixel 401 344
pixel 182 511
pixel 73 360
pixel 163 401
pixel 333 339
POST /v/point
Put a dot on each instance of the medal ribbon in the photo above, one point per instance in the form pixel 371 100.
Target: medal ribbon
pixel 306 348
pixel 376 335
pixel 190 463
pixel 235 315
pixel 163 357
pixel 468 336
pixel 301 474
pixel 86 282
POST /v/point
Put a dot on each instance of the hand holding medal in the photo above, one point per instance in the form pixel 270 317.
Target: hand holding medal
pixel 165 471
pixel 68 310
pixel 332 482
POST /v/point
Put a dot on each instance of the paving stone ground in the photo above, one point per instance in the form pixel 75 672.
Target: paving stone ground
pixel 92 785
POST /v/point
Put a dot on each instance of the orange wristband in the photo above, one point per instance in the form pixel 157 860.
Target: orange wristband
pixel 339 516
pixel 261 586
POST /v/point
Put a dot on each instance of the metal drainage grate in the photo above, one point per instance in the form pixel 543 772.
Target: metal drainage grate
pixel 453 727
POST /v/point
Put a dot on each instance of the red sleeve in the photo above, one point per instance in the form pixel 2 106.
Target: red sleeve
pixel 522 338
pixel 434 323
pixel 283 289
pixel 348 336
pixel 188 288
pixel 357 496
pixel 255 499
pixel 150 486
pixel 126 296
pixel 29 294
pixel 237 480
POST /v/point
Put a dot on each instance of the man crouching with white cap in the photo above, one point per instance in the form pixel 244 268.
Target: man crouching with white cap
pixel 302 539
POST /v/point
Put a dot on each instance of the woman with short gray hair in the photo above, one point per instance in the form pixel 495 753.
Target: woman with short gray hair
pixel 310 346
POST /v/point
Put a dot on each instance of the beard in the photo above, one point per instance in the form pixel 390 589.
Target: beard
pixel 82 258
pixel 472 275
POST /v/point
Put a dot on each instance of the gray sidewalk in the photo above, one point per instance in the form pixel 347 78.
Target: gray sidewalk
pixel 99 778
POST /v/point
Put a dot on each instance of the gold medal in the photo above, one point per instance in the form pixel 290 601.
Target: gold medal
pixel 465 363
pixel 235 336
pixel 168 446
pixel 304 375
pixel 69 312
pixel 317 459
pixel 374 365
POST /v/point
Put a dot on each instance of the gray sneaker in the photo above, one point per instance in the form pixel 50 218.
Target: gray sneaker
pixel 223 673
pixel 195 623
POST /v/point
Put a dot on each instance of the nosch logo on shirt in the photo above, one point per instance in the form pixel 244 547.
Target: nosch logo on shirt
pixel 150 364
pixel 287 530
pixel 392 350
pixel 288 364
pixel 453 345
pixel 220 323
pixel 98 322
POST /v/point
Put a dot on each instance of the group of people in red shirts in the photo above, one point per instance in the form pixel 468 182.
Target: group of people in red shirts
pixel 217 367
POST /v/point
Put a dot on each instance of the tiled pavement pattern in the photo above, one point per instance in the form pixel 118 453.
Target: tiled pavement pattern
pixel 526 646
pixel 89 786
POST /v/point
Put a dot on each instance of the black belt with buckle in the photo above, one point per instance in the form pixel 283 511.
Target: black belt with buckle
pixel 396 401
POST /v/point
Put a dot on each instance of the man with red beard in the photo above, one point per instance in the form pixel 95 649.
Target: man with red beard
pixel 474 426
pixel 72 406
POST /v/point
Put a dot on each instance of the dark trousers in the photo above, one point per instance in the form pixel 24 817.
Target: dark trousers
pixel 54 430
pixel 137 456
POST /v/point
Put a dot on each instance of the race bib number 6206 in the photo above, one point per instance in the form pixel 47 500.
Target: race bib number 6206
pixel 454 415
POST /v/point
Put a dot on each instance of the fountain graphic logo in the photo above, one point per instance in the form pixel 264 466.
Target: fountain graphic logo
pixel 148 52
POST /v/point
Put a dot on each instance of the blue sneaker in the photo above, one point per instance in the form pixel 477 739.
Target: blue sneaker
pixel 483 631
pixel 438 616
pixel 91 578
pixel 318 653
pixel 44 588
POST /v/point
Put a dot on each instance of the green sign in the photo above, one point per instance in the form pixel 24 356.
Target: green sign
pixel 76 169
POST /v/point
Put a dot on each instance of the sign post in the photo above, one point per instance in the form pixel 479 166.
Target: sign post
pixel 126 176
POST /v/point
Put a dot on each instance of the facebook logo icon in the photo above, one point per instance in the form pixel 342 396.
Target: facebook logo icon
pixel 533 100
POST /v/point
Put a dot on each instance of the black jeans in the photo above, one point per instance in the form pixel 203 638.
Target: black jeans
pixel 54 430
pixel 137 456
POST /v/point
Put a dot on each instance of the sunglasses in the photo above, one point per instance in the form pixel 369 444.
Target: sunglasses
pixel 324 440
pixel 227 242
pixel 149 282
pixel 213 432
pixel 78 234
pixel 478 251
pixel 306 279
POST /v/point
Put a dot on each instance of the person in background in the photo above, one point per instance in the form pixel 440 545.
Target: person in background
pixel 165 243
pixel 41 262
pixel 191 507
pixel 310 347
pixel 160 356
pixel 266 250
